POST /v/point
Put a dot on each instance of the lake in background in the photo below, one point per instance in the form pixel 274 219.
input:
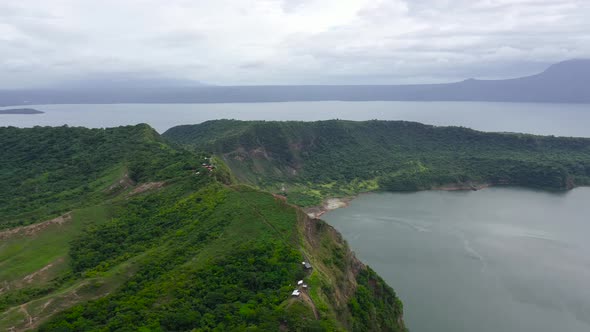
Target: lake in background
pixel 545 119
pixel 499 259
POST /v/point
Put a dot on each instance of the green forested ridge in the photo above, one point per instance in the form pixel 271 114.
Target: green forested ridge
pixel 198 252
pixel 325 158
pixel 45 171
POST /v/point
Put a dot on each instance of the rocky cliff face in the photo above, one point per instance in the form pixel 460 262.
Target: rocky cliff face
pixel 356 296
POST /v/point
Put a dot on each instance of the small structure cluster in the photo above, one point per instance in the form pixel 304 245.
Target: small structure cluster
pixel 301 286
pixel 208 165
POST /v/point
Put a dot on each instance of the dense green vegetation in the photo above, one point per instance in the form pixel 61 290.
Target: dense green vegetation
pixel 203 272
pixel 46 171
pixel 194 252
pixel 372 304
pixel 318 159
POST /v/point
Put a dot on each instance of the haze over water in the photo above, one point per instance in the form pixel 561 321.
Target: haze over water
pixel 545 119
pixel 499 259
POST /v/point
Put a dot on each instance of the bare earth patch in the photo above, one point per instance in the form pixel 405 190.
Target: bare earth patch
pixel 146 187
pixel 29 323
pixel 315 212
pixel 35 228
pixel 121 184
pixel 40 274
pixel 28 316
pixel 5 287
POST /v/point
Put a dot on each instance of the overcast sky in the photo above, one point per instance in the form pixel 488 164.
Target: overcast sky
pixel 229 42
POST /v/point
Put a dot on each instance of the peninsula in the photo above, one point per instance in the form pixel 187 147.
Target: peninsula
pixel 21 111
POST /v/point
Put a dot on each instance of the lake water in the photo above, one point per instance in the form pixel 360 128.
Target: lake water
pixel 547 119
pixel 499 259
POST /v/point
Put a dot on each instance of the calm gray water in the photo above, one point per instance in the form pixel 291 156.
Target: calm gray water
pixel 499 259
pixel 548 119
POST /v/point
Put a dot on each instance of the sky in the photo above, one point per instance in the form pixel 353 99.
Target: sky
pixel 254 42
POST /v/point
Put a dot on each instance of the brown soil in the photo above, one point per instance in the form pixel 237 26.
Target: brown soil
pixel 329 204
pixel 31 230
pixel 259 152
pixel 146 187
pixel 307 299
pixel 314 230
pixel 40 274
pixel 47 303
pixel 29 324
pixel 5 287
pixel 32 319
pixel 280 197
pixel 121 184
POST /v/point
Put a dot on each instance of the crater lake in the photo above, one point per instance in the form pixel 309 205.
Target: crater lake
pixel 498 259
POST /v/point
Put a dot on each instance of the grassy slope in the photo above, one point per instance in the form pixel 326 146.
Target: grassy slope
pixel 85 172
pixel 193 254
pixel 326 158
pixel 23 255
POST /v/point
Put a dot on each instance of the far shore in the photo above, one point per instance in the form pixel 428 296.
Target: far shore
pixel 333 203
pixel 21 111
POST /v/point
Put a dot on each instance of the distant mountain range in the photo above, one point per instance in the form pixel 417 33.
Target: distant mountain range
pixel 564 82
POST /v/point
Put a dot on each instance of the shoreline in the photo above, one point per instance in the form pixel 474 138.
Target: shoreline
pixel 333 203
pixel 329 204
pixel 457 186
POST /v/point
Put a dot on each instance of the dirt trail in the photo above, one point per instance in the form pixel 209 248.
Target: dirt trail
pixel 33 229
pixel 23 309
pixel 256 210
pixel 47 303
pixel 49 307
pixel 29 278
pixel 5 287
pixel 307 299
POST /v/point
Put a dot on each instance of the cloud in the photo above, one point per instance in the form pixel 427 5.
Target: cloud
pixel 288 41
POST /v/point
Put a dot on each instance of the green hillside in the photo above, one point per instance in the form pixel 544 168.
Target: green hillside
pixel 115 229
pixel 314 160
pixel 46 171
